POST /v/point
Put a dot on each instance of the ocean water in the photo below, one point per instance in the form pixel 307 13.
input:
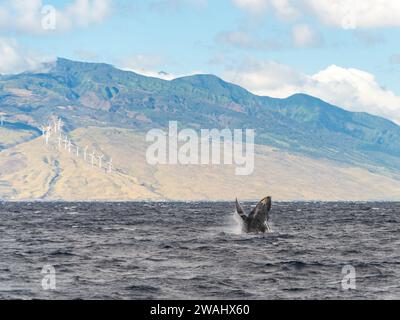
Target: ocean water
pixel 197 251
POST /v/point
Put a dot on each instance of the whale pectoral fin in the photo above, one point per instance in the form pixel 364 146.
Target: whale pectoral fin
pixel 240 210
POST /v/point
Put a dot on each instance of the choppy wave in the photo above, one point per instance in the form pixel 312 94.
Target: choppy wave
pixel 198 251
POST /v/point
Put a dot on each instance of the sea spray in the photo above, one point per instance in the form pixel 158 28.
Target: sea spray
pixel 235 224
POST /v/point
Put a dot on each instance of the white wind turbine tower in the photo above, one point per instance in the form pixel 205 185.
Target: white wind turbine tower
pixel 65 143
pixel 43 132
pixel 55 125
pixel 59 141
pixel 49 127
pixel 100 160
pixel 69 146
pixel 60 124
pixel 47 137
pixel 51 123
pixel 85 153
pixel 77 151
pixel 48 133
pixel 93 155
pixel 110 166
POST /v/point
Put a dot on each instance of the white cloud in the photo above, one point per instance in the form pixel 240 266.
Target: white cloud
pixel 27 16
pixel 154 74
pixel 349 88
pixel 85 12
pixel 150 66
pixel 253 6
pixel 167 5
pixel 337 13
pixel 242 39
pixel 357 13
pixel 265 77
pixel 15 59
pixel 304 36
pixel 238 39
pixel 284 8
pixel 142 62
pixel 357 90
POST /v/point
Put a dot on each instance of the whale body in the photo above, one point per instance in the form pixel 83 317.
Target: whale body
pixel 257 220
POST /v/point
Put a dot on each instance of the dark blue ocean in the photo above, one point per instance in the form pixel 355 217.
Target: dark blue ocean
pixel 197 251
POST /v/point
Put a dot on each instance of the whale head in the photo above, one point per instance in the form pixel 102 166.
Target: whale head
pixel 264 207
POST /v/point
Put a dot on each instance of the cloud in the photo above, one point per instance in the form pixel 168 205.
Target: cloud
pixel 357 90
pixel 33 16
pixel 85 12
pixel 253 6
pixel 238 39
pixel 154 74
pixel 349 88
pixel 356 14
pixel 15 59
pixel 168 5
pixel 265 77
pixel 284 8
pixel 143 62
pixel 304 36
pixel 150 66
pixel 244 40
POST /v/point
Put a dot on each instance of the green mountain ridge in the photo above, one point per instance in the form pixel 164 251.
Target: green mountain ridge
pixel 93 94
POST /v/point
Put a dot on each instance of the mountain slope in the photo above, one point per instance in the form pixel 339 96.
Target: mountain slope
pixel 34 170
pixel 99 95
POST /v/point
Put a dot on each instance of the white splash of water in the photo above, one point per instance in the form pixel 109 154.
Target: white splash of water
pixel 235 224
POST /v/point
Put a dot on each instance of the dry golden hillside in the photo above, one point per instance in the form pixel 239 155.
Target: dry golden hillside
pixel 34 170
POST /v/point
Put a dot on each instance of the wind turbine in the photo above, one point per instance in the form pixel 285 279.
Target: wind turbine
pixel 85 153
pixel 110 166
pixel 55 125
pixel 48 133
pixel 65 143
pixel 77 151
pixel 93 155
pixel 49 127
pixel 69 146
pixel 60 124
pixel 43 131
pixel 59 141
pixel 47 137
pixel 100 160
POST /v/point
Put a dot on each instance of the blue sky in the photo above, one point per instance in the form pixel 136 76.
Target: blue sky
pixel 272 47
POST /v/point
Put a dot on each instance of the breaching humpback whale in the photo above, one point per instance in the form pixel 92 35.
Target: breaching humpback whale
pixel 257 220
